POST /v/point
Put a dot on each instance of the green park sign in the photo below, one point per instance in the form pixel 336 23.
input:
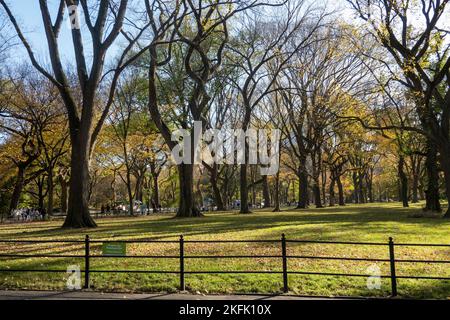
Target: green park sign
pixel 114 249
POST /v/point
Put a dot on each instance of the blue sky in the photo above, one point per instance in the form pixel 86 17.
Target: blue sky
pixel 28 15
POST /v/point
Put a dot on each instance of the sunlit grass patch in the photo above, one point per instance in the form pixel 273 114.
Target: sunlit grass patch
pixel 362 223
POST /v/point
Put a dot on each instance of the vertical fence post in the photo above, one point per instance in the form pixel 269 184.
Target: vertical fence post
pixel 86 262
pixel 182 286
pixel 284 256
pixel 392 263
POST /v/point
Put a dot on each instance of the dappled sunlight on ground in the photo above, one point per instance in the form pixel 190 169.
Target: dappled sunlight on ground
pixel 366 223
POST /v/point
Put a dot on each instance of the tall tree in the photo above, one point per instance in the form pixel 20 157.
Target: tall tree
pixel 195 32
pixel 420 52
pixel 124 120
pixel 253 52
pixel 104 21
pixel 31 113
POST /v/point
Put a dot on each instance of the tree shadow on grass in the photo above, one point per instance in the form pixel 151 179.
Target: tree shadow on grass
pixel 326 223
pixel 424 289
pixel 418 289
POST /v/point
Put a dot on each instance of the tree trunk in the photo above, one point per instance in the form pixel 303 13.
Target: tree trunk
pixel 432 192
pixel 369 183
pixel 187 206
pixel 293 191
pixel 17 190
pixel 415 168
pixel 78 215
pixel 63 184
pixel 138 191
pixel 155 191
pixel 415 188
pixel 302 187
pixel 50 193
pixel 308 198
pixel 266 192
pixel 317 197
pixel 332 199
pixel 340 191
pixel 446 169
pixel 113 188
pixel 356 187
pixel 362 194
pixel 421 189
pixel 217 194
pixel 198 193
pixel 41 195
pixel 130 193
pixel 324 184
pixel 370 192
pixel 244 189
pixel 277 193
pixel 445 163
pixel 253 191
pixel 403 182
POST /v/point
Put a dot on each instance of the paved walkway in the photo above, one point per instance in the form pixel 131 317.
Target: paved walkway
pixel 91 295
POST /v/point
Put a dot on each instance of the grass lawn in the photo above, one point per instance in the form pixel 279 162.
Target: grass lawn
pixel 366 223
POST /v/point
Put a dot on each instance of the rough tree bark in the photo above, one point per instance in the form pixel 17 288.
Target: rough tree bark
pixel 403 181
pixel 317 196
pixel 155 181
pixel 303 186
pixel 187 203
pixel 155 191
pixel 50 189
pixel 78 215
pixel 18 186
pixel 340 191
pixel 361 191
pixel 432 203
pixel 331 192
pixel 445 164
pixel 356 187
pixel 277 193
pixel 40 181
pixel 216 190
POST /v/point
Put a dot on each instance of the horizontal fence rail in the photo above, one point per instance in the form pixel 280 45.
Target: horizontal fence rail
pixel 283 256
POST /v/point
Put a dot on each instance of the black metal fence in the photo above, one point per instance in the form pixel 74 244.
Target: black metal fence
pixel 182 257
